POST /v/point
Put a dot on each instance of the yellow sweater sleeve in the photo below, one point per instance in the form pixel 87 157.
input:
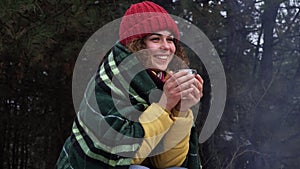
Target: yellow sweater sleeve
pixel 156 122
pixel 176 142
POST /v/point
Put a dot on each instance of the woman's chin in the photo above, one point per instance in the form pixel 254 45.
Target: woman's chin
pixel 161 68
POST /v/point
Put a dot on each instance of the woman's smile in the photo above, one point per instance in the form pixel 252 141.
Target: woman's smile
pixel 162 58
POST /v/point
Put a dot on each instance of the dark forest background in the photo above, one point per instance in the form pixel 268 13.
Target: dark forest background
pixel 258 42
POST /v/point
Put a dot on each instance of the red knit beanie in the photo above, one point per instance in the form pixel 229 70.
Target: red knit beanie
pixel 144 18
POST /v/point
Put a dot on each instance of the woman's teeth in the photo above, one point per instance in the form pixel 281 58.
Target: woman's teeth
pixel 162 57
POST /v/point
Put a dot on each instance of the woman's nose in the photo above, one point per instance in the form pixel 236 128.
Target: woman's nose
pixel 164 45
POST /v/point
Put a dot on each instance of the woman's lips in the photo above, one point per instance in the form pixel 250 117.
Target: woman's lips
pixel 162 57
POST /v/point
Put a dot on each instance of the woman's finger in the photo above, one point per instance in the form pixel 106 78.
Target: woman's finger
pixel 199 78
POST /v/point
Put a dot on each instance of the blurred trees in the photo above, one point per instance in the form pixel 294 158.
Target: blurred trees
pixel 257 40
pixel 39 44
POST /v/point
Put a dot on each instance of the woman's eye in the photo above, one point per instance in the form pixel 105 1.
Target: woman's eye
pixel 156 39
pixel 170 39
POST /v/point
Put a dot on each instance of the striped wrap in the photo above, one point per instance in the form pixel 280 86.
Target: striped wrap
pixel 106 132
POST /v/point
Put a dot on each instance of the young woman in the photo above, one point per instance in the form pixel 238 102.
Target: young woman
pixel 141 116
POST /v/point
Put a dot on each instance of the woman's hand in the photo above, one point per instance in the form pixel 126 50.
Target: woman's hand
pixel 193 97
pixel 179 85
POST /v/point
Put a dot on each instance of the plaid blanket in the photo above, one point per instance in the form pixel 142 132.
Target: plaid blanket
pixel 106 132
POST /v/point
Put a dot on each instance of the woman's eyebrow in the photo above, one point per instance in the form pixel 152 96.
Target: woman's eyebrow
pixel 159 34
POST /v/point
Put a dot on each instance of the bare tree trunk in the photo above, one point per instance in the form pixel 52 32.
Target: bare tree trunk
pixel 24 151
pixel 231 48
pixel 268 24
pixel 6 148
pixel 15 148
pixel 2 142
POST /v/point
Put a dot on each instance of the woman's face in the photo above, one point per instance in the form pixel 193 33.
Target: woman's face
pixel 162 48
